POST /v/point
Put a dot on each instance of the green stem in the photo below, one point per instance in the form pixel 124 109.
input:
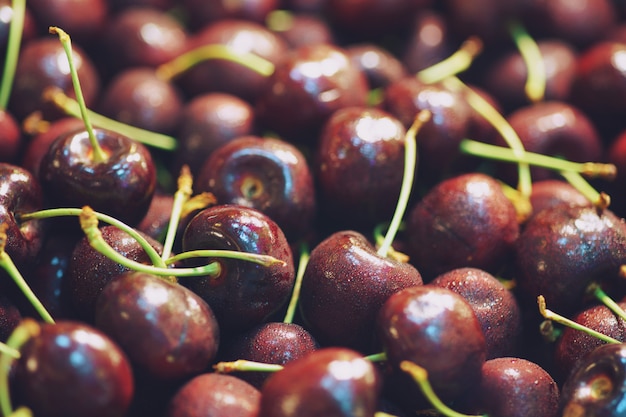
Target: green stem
pixel 263 260
pixel 153 255
pixel 420 375
pixel 557 318
pixel 410 161
pixel 98 153
pixel 600 200
pixel 182 195
pixel 377 357
pixel 457 62
pixel 295 294
pixel 529 50
pixel 188 60
pixel 72 108
pixel 607 301
pixel 13 47
pixel 21 334
pixel 8 350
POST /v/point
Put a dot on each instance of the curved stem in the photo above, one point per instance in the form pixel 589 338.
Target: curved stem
pixel 188 60
pixel 98 153
pixel 420 375
pixel 550 315
pixel 72 108
pixel 182 195
pixel 12 53
pixel 535 86
pixel 454 64
pixel 263 260
pixel 410 161
pixel 295 294
pixel 604 298
pixel 7 264
pixel 152 254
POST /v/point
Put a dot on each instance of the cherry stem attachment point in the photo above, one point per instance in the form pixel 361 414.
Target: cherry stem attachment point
pixel 183 62
pixel 557 318
pixel 12 52
pixel 600 200
pixel 98 153
pixel 410 162
pixel 181 196
pixel 7 264
pixel 379 238
pixel 456 63
pixel 72 108
pixel 535 86
pixel 604 298
pixel 297 285
pixel 420 376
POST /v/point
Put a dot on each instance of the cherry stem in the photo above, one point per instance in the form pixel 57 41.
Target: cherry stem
pixel 457 62
pixel 183 62
pixel 21 334
pixel 297 285
pixel 12 52
pixel 604 298
pixel 600 200
pixel 279 20
pixel 377 357
pixel 504 128
pixel 501 153
pixel 263 260
pixel 182 195
pixel 379 238
pixel 242 365
pixel 8 350
pixel 73 108
pixel 98 153
pixel 7 264
pixel 550 315
pixel 420 375
pixel 410 161
pixel 521 204
pixel 535 86
pixel 153 255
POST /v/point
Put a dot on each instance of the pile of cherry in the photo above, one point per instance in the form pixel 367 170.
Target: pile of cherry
pixel 313 208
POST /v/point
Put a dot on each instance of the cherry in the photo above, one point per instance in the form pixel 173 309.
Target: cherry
pixel 437 329
pixel 202 13
pixel 10 317
pixel 157 219
pixel 552 192
pixel 208 121
pixel 166 330
pixel 595 386
pixel 380 66
pixel 71 369
pixel 463 221
pixel 10 138
pixel 213 394
pixel 299 29
pixel 344 286
pixel 267 174
pixel 329 382
pixel 495 307
pixel 563 249
pixel 242 294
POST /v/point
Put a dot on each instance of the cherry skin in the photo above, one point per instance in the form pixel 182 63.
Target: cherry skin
pixel 121 186
pixel 333 382
pixel 243 294
pixel 380 66
pixel 429 41
pixel 299 29
pixel 552 192
pixel 596 385
pixel 344 285
pixel 213 394
pixel 202 13
pixel 71 369
pixel 10 137
pixel 267 174
pixel 464 221
pixel 359 165
pixel 166 330
pixel 10 317
pixel 437 329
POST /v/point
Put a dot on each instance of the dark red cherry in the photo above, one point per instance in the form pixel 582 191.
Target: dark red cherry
pixel 43 63
pixel 156 221
pixel 464 221
pixel 84 20
pixel 243 294
pixel 359 165
pixel 121 186
pixel 495 307
pixel 73 370
pixel 166 330
pixel 596 385
pixel 380 66
pixel 308 85
pixel 335 382
pixel 274 343
pixel 136 96
pixel 551 192
pixel 267 174
pixel 10 137
pixel 208 121
pixel 486 19
pixel 299 29
pixel 344 286
pixel 89 270
pixel 10 317
pixel 563 249
pixel 429 41
pixel 202 12
pixel 437 329
pixel 213 394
